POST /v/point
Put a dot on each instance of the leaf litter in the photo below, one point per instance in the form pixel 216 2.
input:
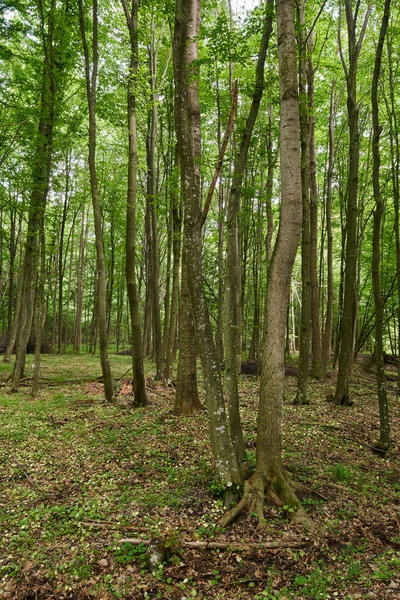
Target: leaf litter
pixel 78 475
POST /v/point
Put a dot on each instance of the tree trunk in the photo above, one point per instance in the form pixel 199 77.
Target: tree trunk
pixel 269 474
pixel 187 397
pixel 61 264
pixel 176 251
pixel 91 88
pixel 152 200
pixel 40 185
pixel 139 384
pixel 187 21
pixel 327 336
pixel 383 444
pixel 395 160
pixel 302 396
pixel 317 368
pixel 233 296
pixel 342 396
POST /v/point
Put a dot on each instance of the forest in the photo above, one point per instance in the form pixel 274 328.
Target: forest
pixel 199 299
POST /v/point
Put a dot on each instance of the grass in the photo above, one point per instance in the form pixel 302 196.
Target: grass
pixel 79 474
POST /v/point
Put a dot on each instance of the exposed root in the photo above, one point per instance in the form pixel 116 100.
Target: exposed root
pixel 301 400
pixel 344 400
pixel 280 490
pixel 381 449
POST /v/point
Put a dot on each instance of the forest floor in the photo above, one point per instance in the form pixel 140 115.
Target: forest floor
pixel 78 475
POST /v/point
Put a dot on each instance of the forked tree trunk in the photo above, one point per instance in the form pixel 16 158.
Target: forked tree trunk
pixel 383 444
pixel 187 21
pixel 139 384
pixel 232 299
pixel 269 474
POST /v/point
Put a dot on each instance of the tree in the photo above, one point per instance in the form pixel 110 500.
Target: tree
pixel 347 331
pixel 233 294
pixel 187 121
pixel 269 476
pixel 91 87
pixel 40 185
pixel 305 327
pixel 384 438
pixel 139 384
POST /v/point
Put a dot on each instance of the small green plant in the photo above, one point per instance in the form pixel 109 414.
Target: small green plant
pixel 342 473
pixel 128 553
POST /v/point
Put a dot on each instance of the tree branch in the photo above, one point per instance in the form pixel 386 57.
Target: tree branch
pixel 222 151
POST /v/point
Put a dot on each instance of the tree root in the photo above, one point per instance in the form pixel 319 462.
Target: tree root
pixel 280 490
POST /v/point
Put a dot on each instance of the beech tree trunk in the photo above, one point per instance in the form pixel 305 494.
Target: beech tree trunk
pixel 383 444
pixel 269 474
pixel 342 396
pixel 317 368
pixel 233 296
pixel 40 185
pixel 327 336
pixel 152 200
pixel 302 396
pixel 139 384
pixel 91 89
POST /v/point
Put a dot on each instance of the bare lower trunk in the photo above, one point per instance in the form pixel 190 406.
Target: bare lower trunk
pixel 187 396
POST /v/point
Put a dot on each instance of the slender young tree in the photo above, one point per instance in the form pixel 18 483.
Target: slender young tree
pixel 342 396
pixel 139 383
pixel 187 21
pixel 233 294
pixel 302 396
pixel 40 186
pixel 317 368
pixel 91 90
pixel 327 335
pixel 383 444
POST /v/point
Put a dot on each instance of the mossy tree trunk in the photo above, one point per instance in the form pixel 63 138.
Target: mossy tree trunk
pixel 187 121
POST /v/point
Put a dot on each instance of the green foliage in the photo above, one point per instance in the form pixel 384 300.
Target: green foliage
pixel 127 553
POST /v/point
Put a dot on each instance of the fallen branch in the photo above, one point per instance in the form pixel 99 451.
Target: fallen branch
pixel 227 545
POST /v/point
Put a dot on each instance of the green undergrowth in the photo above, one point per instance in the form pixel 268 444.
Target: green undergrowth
pixel 78 474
